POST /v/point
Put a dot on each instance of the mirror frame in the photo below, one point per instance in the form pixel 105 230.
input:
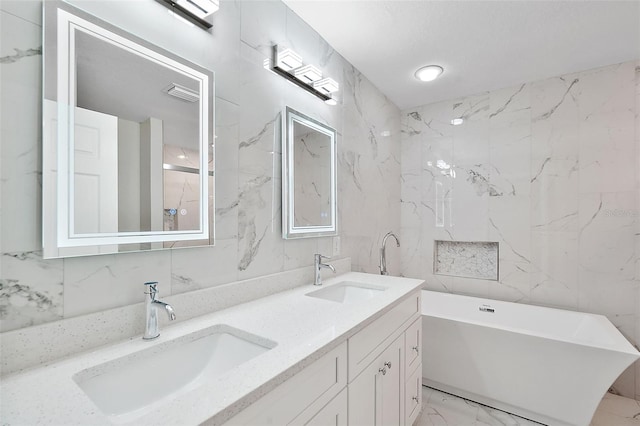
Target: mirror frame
pixel 58 196
pixel 289 229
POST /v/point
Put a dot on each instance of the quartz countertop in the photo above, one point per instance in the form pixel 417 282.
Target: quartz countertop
pixel 304 328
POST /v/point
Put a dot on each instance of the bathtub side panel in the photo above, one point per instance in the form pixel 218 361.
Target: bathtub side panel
pixel 541 379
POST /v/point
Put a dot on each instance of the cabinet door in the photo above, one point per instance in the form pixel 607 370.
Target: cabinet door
pixel 333 414
pixel 376 396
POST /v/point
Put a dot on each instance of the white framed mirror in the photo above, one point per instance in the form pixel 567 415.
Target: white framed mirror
pixel 308 177
pixel 127 141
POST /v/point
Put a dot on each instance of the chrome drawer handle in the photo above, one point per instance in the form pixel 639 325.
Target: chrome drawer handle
pixel 387 364
pixel 415 348
pixel 382 370
pixel 415 398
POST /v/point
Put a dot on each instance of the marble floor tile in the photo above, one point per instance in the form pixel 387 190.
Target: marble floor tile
pixel 442 409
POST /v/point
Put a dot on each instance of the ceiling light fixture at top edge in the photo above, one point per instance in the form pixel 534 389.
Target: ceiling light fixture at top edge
pixel 429 72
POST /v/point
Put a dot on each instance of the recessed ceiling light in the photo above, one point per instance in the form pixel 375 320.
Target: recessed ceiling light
pixel 457 121
pixel 429 73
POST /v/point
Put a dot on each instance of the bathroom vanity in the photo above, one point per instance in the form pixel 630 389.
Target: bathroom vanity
pixel 343 353
pixel 367 380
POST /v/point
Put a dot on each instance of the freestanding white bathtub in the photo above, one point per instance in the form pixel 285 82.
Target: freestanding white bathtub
pixel 548 365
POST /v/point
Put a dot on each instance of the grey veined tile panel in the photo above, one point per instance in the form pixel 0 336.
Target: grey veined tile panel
pixel 470 259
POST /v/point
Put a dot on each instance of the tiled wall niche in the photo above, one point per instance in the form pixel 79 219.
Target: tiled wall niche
pixel 551 171
pixel 248 105
pixel 466 259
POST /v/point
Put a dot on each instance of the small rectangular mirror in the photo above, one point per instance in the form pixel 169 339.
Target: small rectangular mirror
pixel 308 177
pixel 127 141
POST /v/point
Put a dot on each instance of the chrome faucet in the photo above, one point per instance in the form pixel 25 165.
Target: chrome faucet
pixel 318 265
pixel 152 330
pixel 383 253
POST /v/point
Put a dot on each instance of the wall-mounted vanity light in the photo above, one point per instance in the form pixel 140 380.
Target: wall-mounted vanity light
pixel 289 65
pixel 197 11
pixel 287 59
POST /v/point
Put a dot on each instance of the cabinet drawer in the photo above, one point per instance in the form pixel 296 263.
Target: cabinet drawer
pixel 367 344
pixel 413 395
pixel 413 345
pixel 298 399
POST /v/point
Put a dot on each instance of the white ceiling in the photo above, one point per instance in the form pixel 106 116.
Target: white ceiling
pixel 482 45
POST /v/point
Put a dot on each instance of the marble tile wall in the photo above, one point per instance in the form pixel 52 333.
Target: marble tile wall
pixel 249 101
pixel 551 170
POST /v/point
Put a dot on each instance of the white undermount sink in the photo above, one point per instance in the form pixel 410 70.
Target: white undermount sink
pixel 348 292
pixel 128 387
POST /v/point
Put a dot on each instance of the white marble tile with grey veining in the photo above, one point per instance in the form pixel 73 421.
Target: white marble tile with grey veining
pixel 28 10
pixel 607 224
pixel 514 238
pixel 260 243
pixel 20 61
pixel 368 158
pixel 554 276
pixel 254 33
pixel 412 259
pixel 607 143
pixel 98 283
pixel 202 267
pixel 226 169
pixel 510 140
pixel 31 290
pixel 607 253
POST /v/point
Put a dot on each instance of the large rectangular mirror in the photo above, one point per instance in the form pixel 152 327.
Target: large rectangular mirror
pixel 308 177
pixel 127 141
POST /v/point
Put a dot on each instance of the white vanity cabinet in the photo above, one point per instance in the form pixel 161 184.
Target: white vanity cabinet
pixel 311 397
pixel 373 378
pixel 378 392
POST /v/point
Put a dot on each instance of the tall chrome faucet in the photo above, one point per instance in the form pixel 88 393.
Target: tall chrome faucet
pixel 383 253
pixel 318 265
pixel 152 330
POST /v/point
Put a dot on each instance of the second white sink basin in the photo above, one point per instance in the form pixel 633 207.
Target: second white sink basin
pixel 348 292
pixel 128 387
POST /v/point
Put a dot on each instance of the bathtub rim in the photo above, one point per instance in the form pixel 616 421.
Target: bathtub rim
pixel 622 344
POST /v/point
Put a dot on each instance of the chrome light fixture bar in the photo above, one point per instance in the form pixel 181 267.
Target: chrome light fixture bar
pixel 182 92
pixel 289 65
pixel 196 11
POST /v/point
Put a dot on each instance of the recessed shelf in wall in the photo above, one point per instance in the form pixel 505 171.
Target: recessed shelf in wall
pixel 468 259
